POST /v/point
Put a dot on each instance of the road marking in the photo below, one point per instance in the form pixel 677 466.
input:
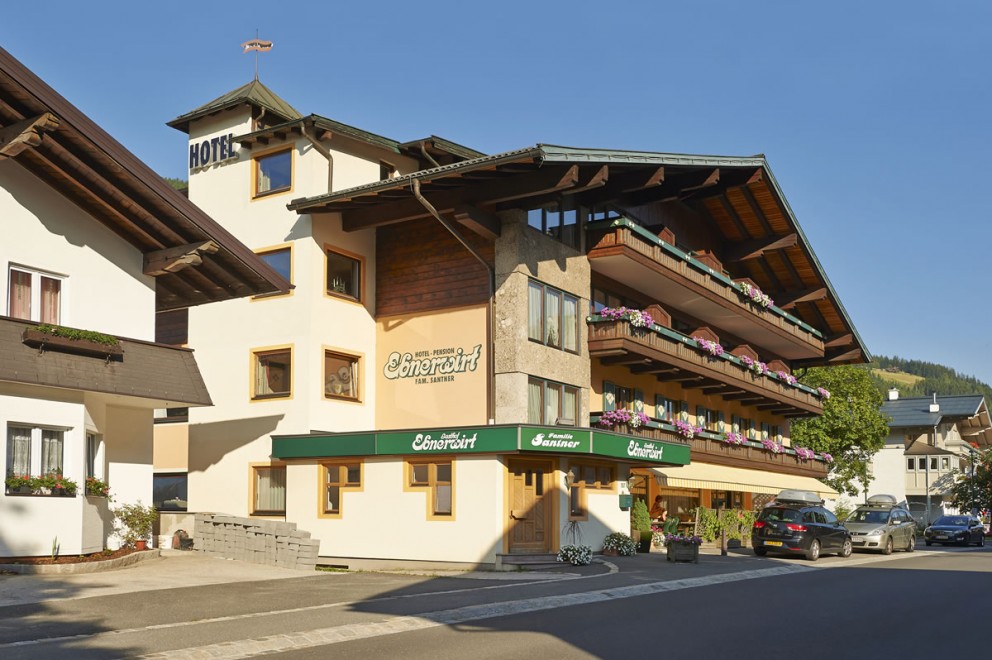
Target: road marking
pixel 346 633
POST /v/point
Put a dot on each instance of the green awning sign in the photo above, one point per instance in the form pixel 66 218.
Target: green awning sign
pixel 639 449
pixel 479 440
pixel 558 439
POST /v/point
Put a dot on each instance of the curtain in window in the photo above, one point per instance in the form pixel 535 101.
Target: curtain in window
pixel 18 450
pixel 534 324
pixel 552 404
pixel 264 182
pixel 51 290
pixel 270 489
pixel 569 336
pixel 51 451
pixel 20 295
pixel 534 390
pixel 552 314
pixel 569 409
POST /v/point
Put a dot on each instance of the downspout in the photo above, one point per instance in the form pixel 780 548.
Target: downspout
pixel 490 348
pixel 427 156
pixel 323 151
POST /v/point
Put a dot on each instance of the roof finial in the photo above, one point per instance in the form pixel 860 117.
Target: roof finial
pixel 257 45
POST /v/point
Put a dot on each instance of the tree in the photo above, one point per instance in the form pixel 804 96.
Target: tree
pixel 974 490
pixel 852 428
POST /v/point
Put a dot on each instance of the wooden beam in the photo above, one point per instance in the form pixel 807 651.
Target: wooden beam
pixel 673 187
pixel 25 134
pixel 493 192
pixel 624 360
pixel 622 183
pixel 791 298
pixel 174 259
pixel 756 249
pixel 839 340
pixel 484 224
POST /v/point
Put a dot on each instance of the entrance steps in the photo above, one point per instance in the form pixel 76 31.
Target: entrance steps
pixel 530 562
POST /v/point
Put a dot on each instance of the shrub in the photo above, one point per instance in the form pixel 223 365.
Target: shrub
pixel 639 517
pixel 577 555
pixel 134 522
pixel 621 543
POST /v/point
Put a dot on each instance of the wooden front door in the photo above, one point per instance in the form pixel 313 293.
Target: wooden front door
pixel 530 507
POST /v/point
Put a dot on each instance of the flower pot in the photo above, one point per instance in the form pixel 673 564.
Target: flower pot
pixel 141 544
pixel 681 551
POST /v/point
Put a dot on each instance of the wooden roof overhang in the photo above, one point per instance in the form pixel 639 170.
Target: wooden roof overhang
pixel 977 430
pixel 193 259
pixel 760 235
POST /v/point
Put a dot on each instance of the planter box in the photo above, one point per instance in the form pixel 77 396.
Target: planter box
pixel 683 552
pixel 47 342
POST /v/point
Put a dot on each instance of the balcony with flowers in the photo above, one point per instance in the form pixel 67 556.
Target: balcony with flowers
pixel 696 283
pixel 644 342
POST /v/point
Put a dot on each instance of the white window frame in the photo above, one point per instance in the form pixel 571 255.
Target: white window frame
pixel 36 275
pixel 36 448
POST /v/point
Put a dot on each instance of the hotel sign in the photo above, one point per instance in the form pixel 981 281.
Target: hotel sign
pixel 432 366
pixel 214 150
pixel 557 439
pixel 479 440
pixel 639 449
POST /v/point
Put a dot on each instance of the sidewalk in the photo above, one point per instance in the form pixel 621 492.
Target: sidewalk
pixel 176 570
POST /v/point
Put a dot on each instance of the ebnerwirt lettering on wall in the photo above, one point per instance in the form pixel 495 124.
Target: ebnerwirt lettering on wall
pixel 426 367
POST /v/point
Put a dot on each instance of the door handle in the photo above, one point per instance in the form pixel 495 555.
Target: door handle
pixel 514 516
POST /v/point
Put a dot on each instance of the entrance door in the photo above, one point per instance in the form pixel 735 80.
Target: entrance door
pixel 530 507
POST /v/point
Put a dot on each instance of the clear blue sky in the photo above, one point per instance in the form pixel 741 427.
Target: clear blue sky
pixel 873 115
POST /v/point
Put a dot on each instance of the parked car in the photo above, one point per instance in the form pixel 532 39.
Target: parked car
pixel 882 524
pixel 963 530
pixel 796 523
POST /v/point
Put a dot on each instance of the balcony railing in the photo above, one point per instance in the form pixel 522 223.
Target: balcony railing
pixel 710 447
pixel 695 275
pixel 670 355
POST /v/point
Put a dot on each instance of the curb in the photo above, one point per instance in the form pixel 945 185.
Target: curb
pixel 81 567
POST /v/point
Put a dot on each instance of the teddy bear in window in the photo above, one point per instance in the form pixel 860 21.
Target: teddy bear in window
pixel 339 383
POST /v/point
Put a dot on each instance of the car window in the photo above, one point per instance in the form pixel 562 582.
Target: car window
pixel 777 514
pixel 871 516
pixel 953 521
pixel 809 517
pixel 829 516
pixel 821 516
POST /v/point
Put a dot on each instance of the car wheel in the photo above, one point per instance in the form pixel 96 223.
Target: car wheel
pixel 814 550
pixel 981 541
pixel 761 552
pixel 888 546
pixel 912 544
pixel 845 550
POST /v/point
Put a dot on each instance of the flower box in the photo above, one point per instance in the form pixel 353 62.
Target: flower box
pixel 49 342
pixel 683 551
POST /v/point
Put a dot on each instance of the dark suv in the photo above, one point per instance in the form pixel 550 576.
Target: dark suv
pixel 797 523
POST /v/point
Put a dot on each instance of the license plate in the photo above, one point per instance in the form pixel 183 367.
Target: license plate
pixel 940 536
pixel 858 541
pixel 775 543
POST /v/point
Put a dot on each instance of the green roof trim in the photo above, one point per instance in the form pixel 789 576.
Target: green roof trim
pixel 446 145
pixel 252 93
pixel 698 265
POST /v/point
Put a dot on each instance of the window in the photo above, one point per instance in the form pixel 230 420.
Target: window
pixel 337 477
pixel 933 463
pixel 273 373
pixel 552 317
pixel 343 276
pixel 281 260
pixel 34 296
pixel 24 443
pixel 341 376
pixel 273 172
pixel 560 222
pixel 664 409
pixel 551 403
pixel 169 491
pixel 386 171
pixel 92 454
pixel 911 464
pixel 268 490
pixel 436 478
pixel 600 299
pixel 945 463
pixel 587 477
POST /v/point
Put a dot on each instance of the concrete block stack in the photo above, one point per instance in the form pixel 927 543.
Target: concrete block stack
pixel 258 541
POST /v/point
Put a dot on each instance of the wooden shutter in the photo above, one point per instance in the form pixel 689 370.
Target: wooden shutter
pixel 684 411
pixel 720 425
pixel 638 401
pixel 609 396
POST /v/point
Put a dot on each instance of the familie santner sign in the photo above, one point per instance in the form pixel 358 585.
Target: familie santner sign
pixel 483 440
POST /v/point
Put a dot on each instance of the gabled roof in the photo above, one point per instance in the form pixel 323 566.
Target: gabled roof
pixel 915 411
pixel 84 164
pixel 921 448
pixel 740 195
pixel 254 93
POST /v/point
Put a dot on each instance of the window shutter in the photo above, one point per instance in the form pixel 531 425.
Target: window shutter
pixel 764 431
pixel 701 417
pixel 735 423
pixel 659 407
pixel 609 396
pixel 684 411
pixel 720 425
pixel 639 401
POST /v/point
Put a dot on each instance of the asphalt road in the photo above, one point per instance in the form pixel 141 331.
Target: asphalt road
pixel 930 603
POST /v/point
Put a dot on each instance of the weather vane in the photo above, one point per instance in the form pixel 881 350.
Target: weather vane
pixel 257 45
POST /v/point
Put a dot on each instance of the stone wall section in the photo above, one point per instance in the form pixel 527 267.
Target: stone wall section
pixel 269 542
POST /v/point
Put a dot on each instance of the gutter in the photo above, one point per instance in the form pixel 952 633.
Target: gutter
pixel 490 347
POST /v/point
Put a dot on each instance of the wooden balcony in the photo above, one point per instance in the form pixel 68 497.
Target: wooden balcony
pixel 673 357
pixel 708 447
pixel 632 255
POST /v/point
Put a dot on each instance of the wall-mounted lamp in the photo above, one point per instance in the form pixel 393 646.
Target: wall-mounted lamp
pixel 632 481
pixel 569 478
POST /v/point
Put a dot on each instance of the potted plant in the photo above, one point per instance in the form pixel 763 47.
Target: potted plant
pixel 20 483
pixel 577 555
pixel 134 523
pixel 97 487
pixel 54 483
pixel 683 547
pixel 640 524
pixel 619 543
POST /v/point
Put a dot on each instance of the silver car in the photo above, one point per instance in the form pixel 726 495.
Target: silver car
pixel 882 525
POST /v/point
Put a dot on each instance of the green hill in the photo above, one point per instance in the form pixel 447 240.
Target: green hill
pixel 918 378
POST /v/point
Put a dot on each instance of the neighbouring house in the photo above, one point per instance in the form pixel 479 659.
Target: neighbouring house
pixel 95 244
pixel 485 355
pixel 931 441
